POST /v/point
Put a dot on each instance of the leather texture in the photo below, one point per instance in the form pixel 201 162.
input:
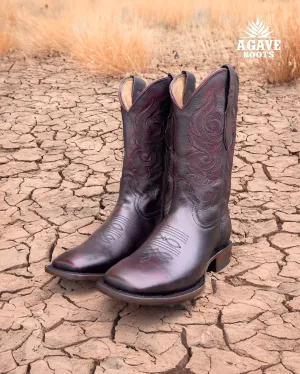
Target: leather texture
pixel 140 206
pixel 175 257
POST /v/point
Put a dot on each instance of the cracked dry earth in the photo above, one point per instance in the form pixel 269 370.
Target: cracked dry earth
pixel 60 163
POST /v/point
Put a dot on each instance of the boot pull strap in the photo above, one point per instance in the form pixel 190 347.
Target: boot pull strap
pixel 231 106
pixel 137 88
pixel 190 84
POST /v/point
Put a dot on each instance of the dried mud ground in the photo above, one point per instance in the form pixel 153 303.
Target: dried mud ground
pixel 60 162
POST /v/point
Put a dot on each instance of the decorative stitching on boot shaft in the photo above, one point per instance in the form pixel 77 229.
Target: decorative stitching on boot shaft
pixel 205 161
pixel 147 157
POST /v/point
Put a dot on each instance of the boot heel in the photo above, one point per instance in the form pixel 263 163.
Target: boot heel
pixel 222 259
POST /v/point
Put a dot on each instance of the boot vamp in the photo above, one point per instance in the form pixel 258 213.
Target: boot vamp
pixel 121 234
pixel 173 259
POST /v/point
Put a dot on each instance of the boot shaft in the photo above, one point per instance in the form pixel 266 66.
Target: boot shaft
pixel 204 128
pixel 145 111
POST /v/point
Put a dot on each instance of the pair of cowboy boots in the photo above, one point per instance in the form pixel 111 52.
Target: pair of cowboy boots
pixel 171 222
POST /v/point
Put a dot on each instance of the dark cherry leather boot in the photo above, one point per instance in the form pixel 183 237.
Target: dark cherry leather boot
pixel 141 202
pixel 170 266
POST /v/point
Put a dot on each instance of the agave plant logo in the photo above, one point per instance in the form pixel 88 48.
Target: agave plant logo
pixel 257 30
pixel 259 41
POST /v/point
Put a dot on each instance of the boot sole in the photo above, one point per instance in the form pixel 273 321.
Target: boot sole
pixel 216 263
pixel 71 275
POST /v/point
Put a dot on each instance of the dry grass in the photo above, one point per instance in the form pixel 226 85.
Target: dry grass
pixel 285 66
pixel 102 38
pixel 7 22
pixel 5 42
pixel 167 13
pixel 227 22
pixel 120 36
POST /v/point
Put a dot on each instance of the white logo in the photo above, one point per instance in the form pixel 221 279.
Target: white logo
pixel 257 30
pixel 259 41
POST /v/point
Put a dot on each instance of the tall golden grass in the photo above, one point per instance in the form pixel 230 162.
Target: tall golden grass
pixel 99 34
pixel 285 66
pixel 280 15
pixel 7 21
pixel 120 36
pixel 166 13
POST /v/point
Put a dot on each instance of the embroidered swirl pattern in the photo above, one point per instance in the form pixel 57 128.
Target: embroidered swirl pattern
pixel 205 162
pixel 148 155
